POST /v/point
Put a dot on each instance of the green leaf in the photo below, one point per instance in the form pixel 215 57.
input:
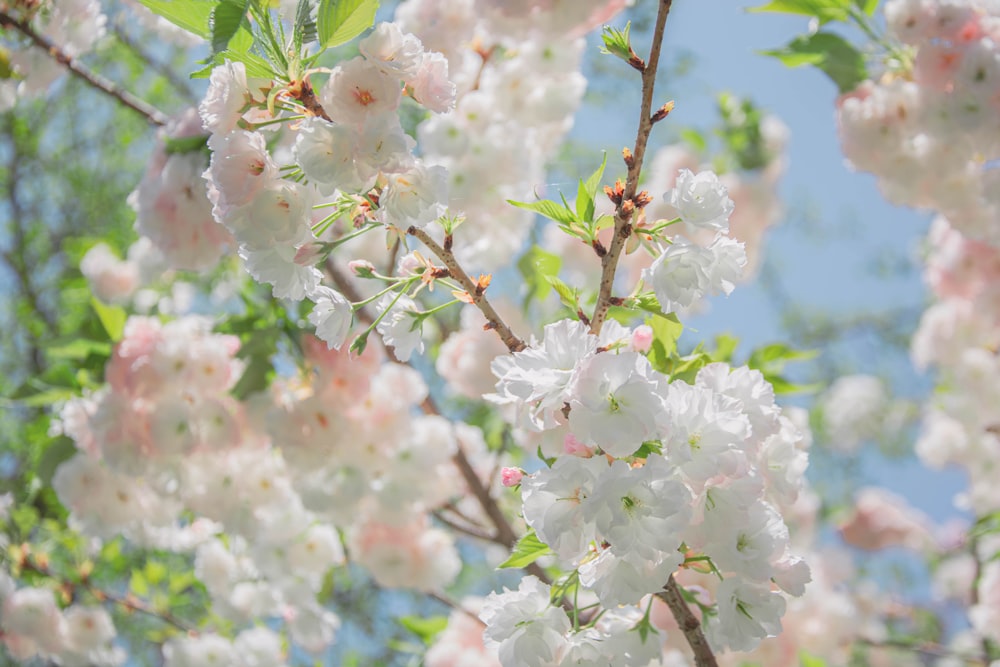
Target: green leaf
pixel 534 266
pixel 824 10
pixel 527 550
pixel 831 53
pixel 138 584
pixel 112 318
pixel 549 209
pixel 305 25
pixel 225 21
pixel 594 181
pixel 180 145
pixel 191 15
pixel 867 6
pixel 61 450
pixel 567 294
pixel 666 331
pixel 47 397
pixel 79 348
pixel 340 21
pixel 809 660
pixel 584 203
pixel 256 66
pixel 694 139
pixel 155 572
pixel 425 628
pixel 617 42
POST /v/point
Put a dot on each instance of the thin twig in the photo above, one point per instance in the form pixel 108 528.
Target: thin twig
pixel 152 114
pixel 164 70
pixel 445 600
pixel 688 623
pixel 476 293
pixel 504 534
pixel 623 215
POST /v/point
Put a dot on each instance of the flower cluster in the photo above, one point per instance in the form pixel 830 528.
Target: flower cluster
pixel 33 626
pixel 171 202
pixel 660 473
pixel 939 118
pixel 73 26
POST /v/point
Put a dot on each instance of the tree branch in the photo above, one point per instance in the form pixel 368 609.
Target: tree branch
pixel 624 212
pixel 689 624
pixel 176 82
pixel 504 533
pixel 476 293
pixel 153 115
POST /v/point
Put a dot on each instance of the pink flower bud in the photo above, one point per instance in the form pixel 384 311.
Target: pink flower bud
pixel 410 264
pixel 309 254
pixel 642 338
pixel 574 447
pixel 511 476
pixel 361 268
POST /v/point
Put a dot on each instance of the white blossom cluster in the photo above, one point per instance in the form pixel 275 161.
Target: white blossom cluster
pixel 928 133
pixel 720 460
pixel 33 626
pixel 73 26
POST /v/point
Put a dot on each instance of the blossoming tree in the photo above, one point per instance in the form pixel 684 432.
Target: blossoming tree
pixel 304 374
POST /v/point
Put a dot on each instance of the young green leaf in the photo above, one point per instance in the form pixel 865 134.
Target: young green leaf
pixel 824 10
pixel 425 628
pixel 831 53
pixel 191 15
pixel 527 550
pixel 549 209
pixel 340 21
pixel 594 180
pixel 112 318
pixel 225 21
pixel 305 24
pixel 534 266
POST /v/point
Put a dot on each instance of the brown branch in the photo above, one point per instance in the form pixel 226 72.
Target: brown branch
pixel 163 69
pixel 689 624
pixel 153 115
pixel 476 293
pixel 460 528
pixel 624 211
pixel 504 533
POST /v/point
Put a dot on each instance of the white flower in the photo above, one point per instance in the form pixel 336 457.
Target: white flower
pixel 415 196
pixel 277 267
pixel 614 402
pixel 701 200
pixel 391 50
pixel 705 431
pixel 537 379
pixel 626 579
pixel 524 626
pixel 553 503
pixel 259 647
pixel 729 256
pixel 640 511
pixel 400 328
pixel 88 628
pixel 332 316
pixel 225 99
pixel 240 167
pixel 745 540
pixel 327 154
pixel 747 614
pixel 278 216
pixel 680 276
pixel 685 272
pixel 358 90
pixel 431 85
